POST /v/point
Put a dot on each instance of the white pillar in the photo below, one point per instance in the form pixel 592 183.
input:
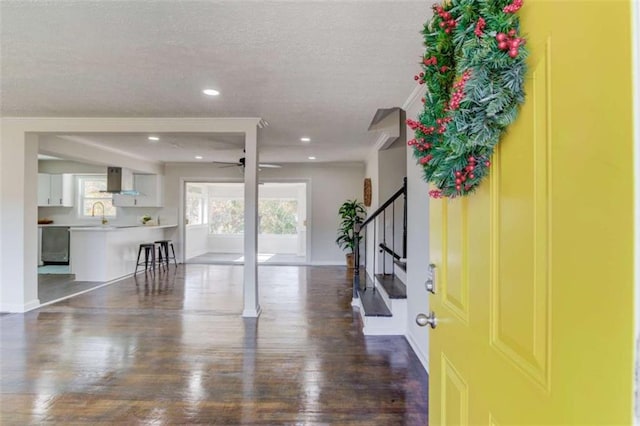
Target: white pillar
pixel 18 228
pixel 251 305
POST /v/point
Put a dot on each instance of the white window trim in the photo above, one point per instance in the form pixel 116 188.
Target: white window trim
pixel 80 198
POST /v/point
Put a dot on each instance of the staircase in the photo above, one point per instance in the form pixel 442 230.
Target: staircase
pixel 379 289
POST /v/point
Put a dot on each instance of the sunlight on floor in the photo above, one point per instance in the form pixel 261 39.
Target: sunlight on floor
pixel 262 257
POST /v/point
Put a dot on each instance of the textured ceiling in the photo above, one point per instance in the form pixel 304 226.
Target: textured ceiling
pixel 310 68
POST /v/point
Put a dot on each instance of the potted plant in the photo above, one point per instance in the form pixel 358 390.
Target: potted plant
pixel 350 212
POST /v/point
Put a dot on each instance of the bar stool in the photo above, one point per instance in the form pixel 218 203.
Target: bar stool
pixel 164 247
pixel 149 249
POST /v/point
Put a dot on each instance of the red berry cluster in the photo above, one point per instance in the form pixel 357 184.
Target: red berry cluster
pixel 442 124
pixel 425 160
pixel 448 23
pixel 480 27
pixel 416 125
pixel 419 78
pixel 419 144
pixel 510 42
pixel 458 91
pixel 430 61
pixel 466 173
pixel 513 7
pixel 435 193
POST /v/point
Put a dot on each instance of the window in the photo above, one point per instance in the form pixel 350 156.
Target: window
pixel 89 188
pixel 226 216
pixel 276 216
pixel 196 206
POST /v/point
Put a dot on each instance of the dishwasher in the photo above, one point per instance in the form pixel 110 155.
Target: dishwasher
pixel 55 245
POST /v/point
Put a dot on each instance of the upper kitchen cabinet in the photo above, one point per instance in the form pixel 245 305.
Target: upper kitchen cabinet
pixel 150 192
pixel 55 190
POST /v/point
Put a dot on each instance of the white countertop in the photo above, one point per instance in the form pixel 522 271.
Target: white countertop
pixel 105 228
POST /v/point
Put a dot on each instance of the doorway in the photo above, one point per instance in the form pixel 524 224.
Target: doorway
pixel 214 223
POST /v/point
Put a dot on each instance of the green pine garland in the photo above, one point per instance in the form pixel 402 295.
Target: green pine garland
pixel 474 68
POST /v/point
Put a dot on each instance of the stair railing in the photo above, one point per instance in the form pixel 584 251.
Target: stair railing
pixel 383 247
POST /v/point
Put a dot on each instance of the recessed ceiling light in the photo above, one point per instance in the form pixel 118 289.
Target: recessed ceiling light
pixel 211 92
pixel 198 157
pixel 305 139
pixel 312 158
pixel 153 138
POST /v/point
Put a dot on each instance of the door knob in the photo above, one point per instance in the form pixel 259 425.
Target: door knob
pixel 422 320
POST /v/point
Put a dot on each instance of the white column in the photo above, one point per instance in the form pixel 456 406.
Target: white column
pixel 251 305
pixel 18 227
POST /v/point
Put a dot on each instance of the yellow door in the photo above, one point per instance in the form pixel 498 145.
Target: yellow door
pixel 534 272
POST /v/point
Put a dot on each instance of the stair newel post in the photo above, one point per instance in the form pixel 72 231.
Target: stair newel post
pixel 404 220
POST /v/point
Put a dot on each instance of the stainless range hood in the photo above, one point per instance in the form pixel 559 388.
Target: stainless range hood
pixel 120 181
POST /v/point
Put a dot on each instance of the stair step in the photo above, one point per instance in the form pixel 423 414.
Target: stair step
pixel 393 286
pixel 373 303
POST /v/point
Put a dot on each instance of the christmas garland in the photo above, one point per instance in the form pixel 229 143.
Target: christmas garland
pixel 474 68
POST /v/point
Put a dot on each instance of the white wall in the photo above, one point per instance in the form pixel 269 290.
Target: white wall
pixel 85 153
pixel 371 171
pixel 417 243
pixel 329 185
pixel 197 240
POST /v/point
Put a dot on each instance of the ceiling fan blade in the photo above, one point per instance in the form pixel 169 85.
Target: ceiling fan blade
pixel 225 164
pixel 270 166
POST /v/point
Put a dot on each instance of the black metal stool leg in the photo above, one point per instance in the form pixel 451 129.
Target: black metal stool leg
pixel 138 260
pixel 153 260
pixel 175 262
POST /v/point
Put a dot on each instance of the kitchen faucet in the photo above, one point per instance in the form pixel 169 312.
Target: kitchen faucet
pixel 93 211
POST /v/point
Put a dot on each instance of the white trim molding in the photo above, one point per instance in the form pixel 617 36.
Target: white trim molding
pixel 15 308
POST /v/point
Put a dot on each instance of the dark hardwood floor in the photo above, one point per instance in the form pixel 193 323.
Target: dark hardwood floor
pixel 175 350
pixel 56 286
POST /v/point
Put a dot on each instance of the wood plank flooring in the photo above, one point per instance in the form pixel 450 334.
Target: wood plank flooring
pixel 56 286
pixel 173 349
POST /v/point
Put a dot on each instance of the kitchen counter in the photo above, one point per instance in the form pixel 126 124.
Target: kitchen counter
pixel 103 228
pixel 108 226
pixel 104 253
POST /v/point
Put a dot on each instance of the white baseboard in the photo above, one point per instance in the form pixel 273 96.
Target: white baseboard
pixel 19 309
pixel 252 313
pixel 424 358
pixel 196 254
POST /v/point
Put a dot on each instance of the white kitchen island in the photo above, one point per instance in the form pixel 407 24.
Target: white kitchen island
pixel 105 253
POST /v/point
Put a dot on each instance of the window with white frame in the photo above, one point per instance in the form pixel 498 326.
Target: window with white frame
pixel 276 216
pixel 89 188
pixel 195 211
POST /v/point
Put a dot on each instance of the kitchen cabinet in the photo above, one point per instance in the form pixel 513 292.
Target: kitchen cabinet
pixel 150 189
pixel 55 190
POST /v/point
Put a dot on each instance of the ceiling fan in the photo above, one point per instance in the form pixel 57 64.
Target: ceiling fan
pixel 240 163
